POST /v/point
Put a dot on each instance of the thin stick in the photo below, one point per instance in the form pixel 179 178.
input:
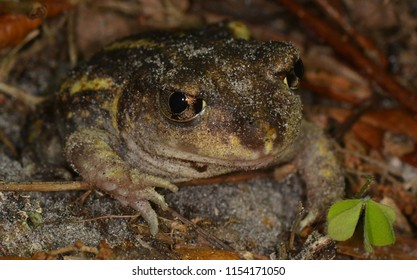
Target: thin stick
pixel 61 186
pixel 44 186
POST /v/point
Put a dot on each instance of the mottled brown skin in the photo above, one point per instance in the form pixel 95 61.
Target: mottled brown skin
pixel 160 108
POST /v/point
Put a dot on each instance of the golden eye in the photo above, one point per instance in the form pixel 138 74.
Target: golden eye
pixel 180 107
pixel 292 80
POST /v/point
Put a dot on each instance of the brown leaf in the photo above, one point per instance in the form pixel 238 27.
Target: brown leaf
pixel 14 28
pixel 393 120
pixel 369 134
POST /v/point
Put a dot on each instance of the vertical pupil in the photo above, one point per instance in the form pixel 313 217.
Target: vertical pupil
pixel 299 69
pixel 178 102
pixel 296 74
pixel 198 106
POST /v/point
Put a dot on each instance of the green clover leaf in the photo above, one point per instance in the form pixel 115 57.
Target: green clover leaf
pixel 378 229
pixel 342 218
pixel 344 215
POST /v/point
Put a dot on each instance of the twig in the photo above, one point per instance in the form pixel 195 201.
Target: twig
pixel 61 186
pixel 21 95
pixel 44 186
pixel 77 247
pixel 370 48
pixel 295 227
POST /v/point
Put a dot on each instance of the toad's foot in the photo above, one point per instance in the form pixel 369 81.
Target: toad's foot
pixel 138 192
pixel 90 153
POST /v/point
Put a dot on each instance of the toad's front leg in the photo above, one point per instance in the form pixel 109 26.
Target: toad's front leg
pixel 89 153
pixel 321 170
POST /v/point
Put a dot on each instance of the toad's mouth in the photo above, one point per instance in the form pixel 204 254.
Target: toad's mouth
pixel 233 162
pixel 244 159
pixel 181 162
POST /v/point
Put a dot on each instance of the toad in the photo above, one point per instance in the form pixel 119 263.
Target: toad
pixel 164 107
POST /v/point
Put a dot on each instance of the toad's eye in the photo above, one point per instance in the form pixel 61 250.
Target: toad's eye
pixel 294 76
pixel 180 107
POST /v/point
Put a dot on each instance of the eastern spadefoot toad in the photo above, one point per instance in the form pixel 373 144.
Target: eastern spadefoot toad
pixel 162 107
